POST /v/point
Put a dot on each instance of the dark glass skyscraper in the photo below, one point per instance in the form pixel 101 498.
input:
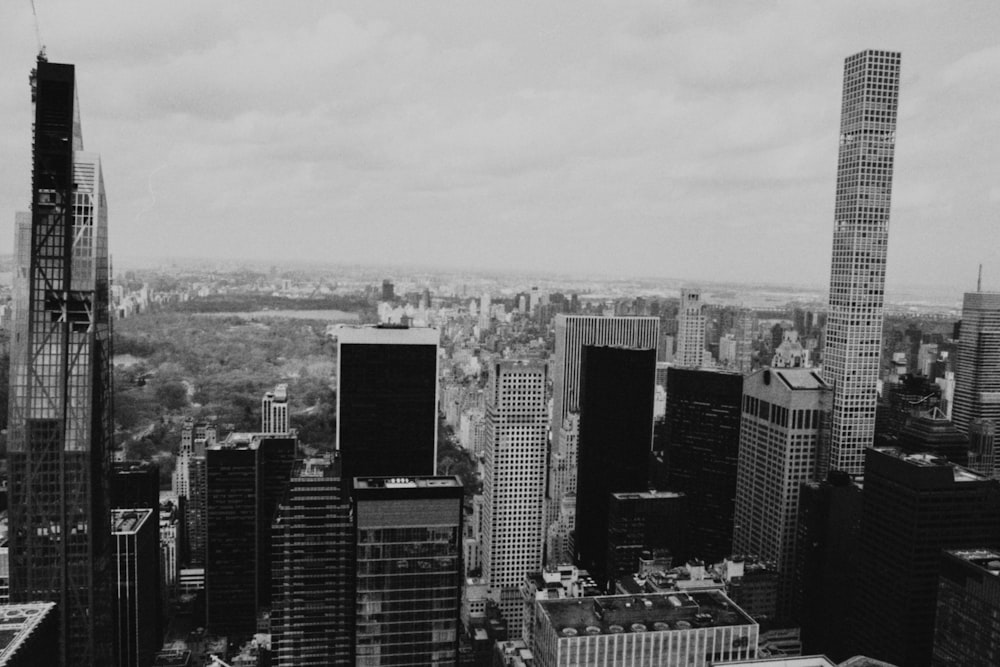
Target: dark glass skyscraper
pixel 60 432
pixel 387 401
pixel 616 436
pixel 701 454
pixel 914 506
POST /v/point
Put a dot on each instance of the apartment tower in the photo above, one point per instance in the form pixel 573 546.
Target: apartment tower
pixel 860 239
pixel 691 325
pixel 60 425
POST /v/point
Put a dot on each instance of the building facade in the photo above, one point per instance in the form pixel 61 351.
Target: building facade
pixel 409 573
pixel 853 341
pixel 616 438
pixel 784 414
pixel 137 573
pixel 691 325
pixel 575 331
pixel 514 481
pixel 967 626
pixel 312 590
pixel 387 400
pixel 60 422
pixel 274 411
pixel 977 377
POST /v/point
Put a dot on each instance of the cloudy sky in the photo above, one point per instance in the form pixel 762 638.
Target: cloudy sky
pixel 689 140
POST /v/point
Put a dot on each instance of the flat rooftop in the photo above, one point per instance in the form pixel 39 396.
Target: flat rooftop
pixel 925 460
pixel 655 612
pixel 406 482
pixel 800 378
pixel 17 622
pixel 382 335
pixel 129 521
pixel 647 495
pixel 987 560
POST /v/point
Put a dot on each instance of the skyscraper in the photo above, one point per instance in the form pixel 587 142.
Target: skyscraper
pixel 967 626
pixel 575 331
pixel 784 411
pixel 977 378
pixel 409 553
pixel 616 437
pixel 914 505
pixel 312 601
pixel 137 561
pixel 387 401
pixel 274 411
pixel 514 481
pixel 60 433
pixel 701 454
pixel 860 239
pixel 691 324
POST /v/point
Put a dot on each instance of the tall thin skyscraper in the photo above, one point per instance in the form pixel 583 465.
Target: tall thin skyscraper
pixel 860 238
pixel 274 411
pixel 60 435
pixel 977 379
pixel 575 331
pixel 514 481
pixel 387 401
pixel 691 324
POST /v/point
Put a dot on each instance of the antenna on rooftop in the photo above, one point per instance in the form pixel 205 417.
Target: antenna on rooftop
pixel 38 33
pixel 979 283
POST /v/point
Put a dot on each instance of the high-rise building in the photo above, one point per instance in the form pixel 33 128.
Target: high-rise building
pixel 700 454
pixel 652 521
pixel 189 487
pixel 933 433
pixel 312 547
pixel 514 481
pixel 784 412
pixel 247 475
pixel 60 424
pixel 826 563
pixel 409 574
pixel 387 395
pixel 977 378
pixel 616 437
pixel 137 570
pixel 860 238
pixel 691 325
pixel 982 448
pixel 560 506
pixel 274 411
pixel 697 629
pixel 29 634
pixel 575 331
pixel 914 506
pixel 967 626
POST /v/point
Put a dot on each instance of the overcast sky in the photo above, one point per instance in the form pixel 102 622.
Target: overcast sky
pixel 688 140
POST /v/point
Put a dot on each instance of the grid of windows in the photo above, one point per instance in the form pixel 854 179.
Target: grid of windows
pixel 860 239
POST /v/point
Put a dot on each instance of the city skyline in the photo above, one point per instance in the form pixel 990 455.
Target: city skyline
pixel 608 133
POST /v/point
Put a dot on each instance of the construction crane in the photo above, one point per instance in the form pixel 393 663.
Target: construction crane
pixel 38 33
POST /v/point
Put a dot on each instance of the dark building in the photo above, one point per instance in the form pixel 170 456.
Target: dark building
pixel 388 290
pixel 247 475
pixel 982 448
pixel 312 546
pixel 967 627
pixel 29 634
pixel 616 436
pixel 387 401
pixel 60 422
pixel 914 506
pixel 934 433
pixel 137 560
pixel 644 521
pixel 701 453
pixel 409 570
pixel 826 567
pixel 901 401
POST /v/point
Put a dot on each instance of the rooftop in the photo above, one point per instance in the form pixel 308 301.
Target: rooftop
pixel 987 560
pixel 17 622
pixel 647 495
pixel 128 521
pixel 800 378
pixel 406 482
pixel 376 335
pixel 924 460
pixel 659 612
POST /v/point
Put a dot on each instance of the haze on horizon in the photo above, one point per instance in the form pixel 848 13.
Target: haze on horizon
pixel 688 140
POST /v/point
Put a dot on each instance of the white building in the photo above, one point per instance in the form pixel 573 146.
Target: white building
pixel 514 481
pixel 691 323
